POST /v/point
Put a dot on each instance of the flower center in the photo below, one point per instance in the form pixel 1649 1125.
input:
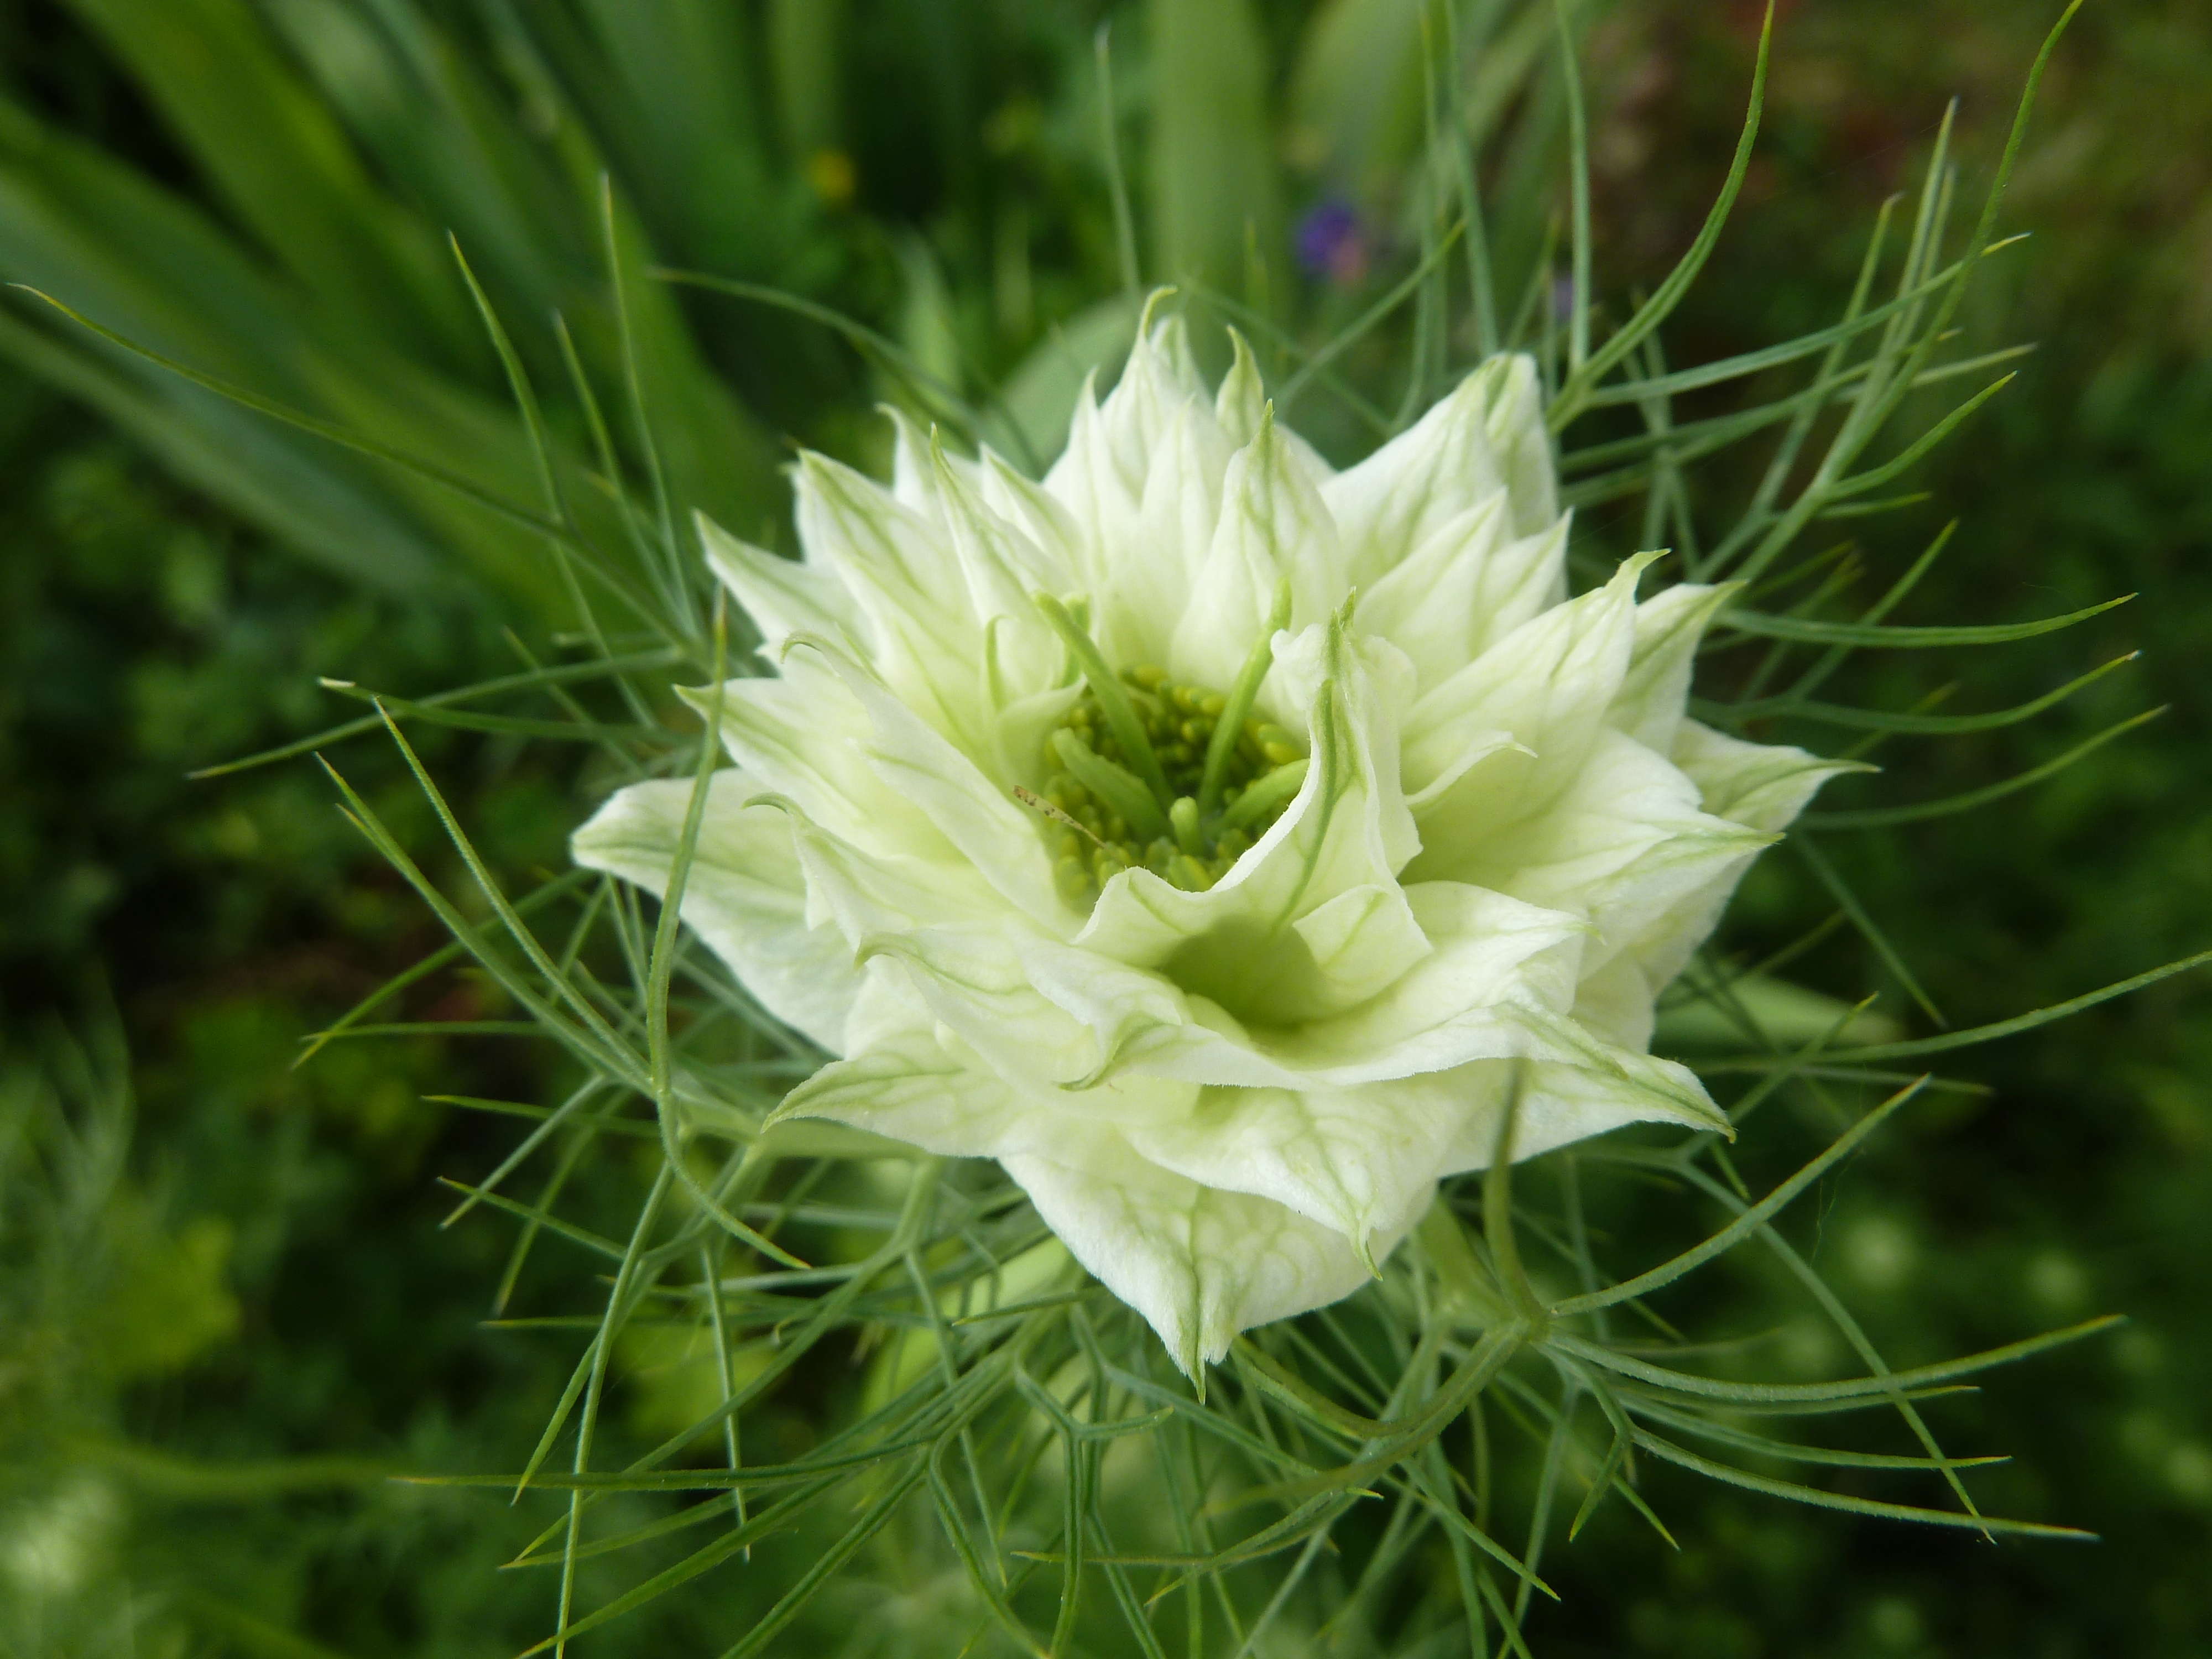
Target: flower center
pixel 1179 780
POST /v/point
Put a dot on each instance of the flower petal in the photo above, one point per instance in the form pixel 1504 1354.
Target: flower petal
pixel 1561 1103
pixel 914 1084
pixel 906 577
pixel 1765 786
pixel 1200 1264
pixel 1346 832
pixel 1355 1160
pixel 1241 407
pixel 744 893
pixel 1485 436
pixel 782 596
pixel 1100 477
pixel 1465 587
pixel 1621 847
pixel 1761 787
pixel 1655 689
pixel 1149 580
pixel 1272 529
pixel 1547 683
pixel 930 779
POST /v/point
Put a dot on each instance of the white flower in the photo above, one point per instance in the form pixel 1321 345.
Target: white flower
pixel 1226 1009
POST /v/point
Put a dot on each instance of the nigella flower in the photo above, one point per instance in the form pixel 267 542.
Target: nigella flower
pixel 1213 837
pixel 1331 242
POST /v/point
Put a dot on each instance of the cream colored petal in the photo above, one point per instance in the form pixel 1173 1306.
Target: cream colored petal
pixel 906 577
pixel 1346 832
pixel 1465 588
pixel 1656 691
pixel 931 782
pixel 1200 1264
pixel 1149 579
pixel 1040 516
pixel 1101 476
pixel 799 734
pixel 868 896
pixel 1484 437
pixel 783 596
pixel 744 893
pixel 1622 846
pixel 915 1085
pixel 1272 529
pixel 1616 1003
pixel 1563 1103
pixel 1760 786
pixel 1764 785
pixel 1355 1160
pixel 916 464
pixel 1548 684
pixel 1241 407
pixel 1522 443
pixel 1486 958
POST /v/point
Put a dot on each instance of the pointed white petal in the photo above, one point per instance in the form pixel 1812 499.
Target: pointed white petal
pixel 906 577
pixel 1623 846
pixel 1345 833
pixel 1656 689
pixel 1760 786
pixel 1355 1160
pixel 1200 1264
pixel 1241 407
pixel 917 1083
pixel 1765 786
pixel 1616 1003
pixel 1548 684
pixel 1563 1103
pixel 744 893
pixel 782 596
pixel 1486 437
pixel 1466 586
pixel 1149 580
pixel 1272 529
pixel 932 780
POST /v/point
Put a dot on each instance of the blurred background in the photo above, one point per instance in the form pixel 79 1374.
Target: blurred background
pixel 226 1309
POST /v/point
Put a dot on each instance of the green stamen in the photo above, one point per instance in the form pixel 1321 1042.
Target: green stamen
pixel 1101 818
pixel 1115 788
pixel 1270 794
pixel 1238 706
pixel 1113 701
pixel 1183 817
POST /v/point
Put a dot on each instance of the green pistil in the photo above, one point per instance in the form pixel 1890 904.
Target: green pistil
pixel 1213 785
pixel 1113 702
pixel 1222 746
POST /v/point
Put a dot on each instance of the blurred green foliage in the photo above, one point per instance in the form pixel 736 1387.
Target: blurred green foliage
pixel 226 1312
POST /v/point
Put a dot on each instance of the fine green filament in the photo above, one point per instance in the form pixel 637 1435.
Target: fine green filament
pixel 1113 701
pixel 1240 696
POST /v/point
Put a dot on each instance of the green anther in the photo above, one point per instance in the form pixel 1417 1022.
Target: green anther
pixel 1278 746
pixel 1121 793
pixel 1110 820
pixel 1183 817
pixel 1113 700
pixel 1237 707
pixel 1188 873
pixel 1271 791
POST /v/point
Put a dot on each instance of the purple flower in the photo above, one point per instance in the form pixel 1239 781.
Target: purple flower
pixel 1332 243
